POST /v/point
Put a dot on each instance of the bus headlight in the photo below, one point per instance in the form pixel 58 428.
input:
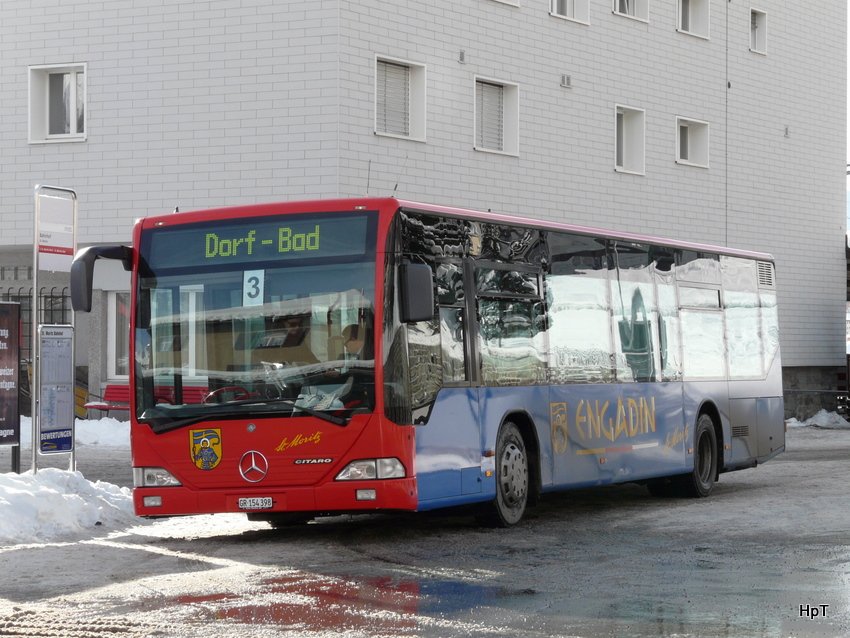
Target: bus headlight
pixel 153 477
pixel 370 469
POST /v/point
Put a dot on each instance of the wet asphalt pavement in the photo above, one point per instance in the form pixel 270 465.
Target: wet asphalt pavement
pixel 758 558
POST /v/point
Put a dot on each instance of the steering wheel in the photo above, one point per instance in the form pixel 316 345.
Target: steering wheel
pixel 218 395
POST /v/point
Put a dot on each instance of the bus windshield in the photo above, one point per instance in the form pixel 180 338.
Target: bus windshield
pixel 244 318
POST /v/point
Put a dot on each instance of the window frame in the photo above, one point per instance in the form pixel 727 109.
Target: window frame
pixel 112 353
pixel 701 9
pixel 702 143
pixel 758 44
pixel 39 103
pixel 417 99
pixel 633 166
pixel 581 11
pixel 510 117
pixel 641 10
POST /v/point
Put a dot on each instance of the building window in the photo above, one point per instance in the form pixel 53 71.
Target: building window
pixel 496 116
pixel 58 103
pixel 576 10
pixel 400 99
pixel 691 142
pixel 758 31
pixel 637 9
pixel 629 135
pixel 118 331
pixel 694 17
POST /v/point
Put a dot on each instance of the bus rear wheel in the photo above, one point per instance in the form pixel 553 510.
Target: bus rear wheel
pixel 512 477
pixel 700 481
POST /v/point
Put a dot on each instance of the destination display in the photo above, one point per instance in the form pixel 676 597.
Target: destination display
pixel 258 239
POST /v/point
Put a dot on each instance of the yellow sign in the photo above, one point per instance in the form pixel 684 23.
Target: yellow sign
pixel 205 447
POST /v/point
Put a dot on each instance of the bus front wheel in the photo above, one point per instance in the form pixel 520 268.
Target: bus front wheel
pixel 512 477
pixel 700 481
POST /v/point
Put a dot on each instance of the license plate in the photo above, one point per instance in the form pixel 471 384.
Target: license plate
pixel 255 503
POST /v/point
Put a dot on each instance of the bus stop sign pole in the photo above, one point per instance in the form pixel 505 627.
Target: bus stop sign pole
pixel 54 245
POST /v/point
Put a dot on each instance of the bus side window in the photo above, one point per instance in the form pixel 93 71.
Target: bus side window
pixel 423 348
pixel 635 313
pixel 451 298
pixel 511 325
pixel 579 310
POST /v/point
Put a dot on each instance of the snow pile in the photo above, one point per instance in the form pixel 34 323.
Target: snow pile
pixel 823 419
pixel 58 503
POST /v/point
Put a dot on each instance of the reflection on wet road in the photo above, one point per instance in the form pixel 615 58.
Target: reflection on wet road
pixel 608 562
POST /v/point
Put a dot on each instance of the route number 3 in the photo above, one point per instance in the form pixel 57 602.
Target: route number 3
pixel 252 287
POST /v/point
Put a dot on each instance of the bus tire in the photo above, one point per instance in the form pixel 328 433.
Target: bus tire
pixel 700 481
pixel 512 477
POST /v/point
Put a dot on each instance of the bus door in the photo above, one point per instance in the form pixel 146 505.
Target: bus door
pixel 510 348
pixel 443 397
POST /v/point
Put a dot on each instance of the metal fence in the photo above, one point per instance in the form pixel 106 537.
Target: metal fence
pixel 54 307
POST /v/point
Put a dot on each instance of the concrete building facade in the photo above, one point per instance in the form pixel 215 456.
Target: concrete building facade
pixel 707 120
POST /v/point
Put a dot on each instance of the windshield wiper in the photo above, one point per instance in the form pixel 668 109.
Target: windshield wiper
pixel 330 418
pixel 162 423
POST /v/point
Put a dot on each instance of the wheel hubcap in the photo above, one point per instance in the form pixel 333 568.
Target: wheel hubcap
pixel 514 475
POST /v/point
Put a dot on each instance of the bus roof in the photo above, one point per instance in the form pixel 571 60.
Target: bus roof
pixel 583 230
pixel 390 203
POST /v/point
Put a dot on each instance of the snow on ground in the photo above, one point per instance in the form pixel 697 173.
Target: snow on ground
pixel 823 419
pixel 58 504
pixel 107 432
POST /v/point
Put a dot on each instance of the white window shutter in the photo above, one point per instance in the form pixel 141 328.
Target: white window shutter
pixel 393 98
pixel 489 99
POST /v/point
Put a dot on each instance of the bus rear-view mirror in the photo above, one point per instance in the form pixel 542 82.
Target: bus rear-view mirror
pixel 82 271
pixel 417 292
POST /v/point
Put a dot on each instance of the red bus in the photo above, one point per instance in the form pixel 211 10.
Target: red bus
pixel 304 358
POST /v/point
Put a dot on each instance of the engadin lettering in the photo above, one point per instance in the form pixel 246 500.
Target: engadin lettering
pixel 632 418
pixel 597 422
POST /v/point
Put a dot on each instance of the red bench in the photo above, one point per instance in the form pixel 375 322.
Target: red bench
pixel 116 397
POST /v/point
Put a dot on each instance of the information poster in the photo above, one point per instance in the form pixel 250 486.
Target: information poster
pixel 10 414
pixel 55 223
pixel 56 389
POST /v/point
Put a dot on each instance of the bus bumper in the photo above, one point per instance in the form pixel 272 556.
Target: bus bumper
pixel 340 496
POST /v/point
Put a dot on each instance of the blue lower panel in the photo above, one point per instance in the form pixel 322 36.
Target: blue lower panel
pixel 589 434
pixel 614 434
pixel 463 486
pixel 439 484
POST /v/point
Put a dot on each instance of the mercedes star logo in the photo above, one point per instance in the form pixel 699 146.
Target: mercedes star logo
pixel 253 466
